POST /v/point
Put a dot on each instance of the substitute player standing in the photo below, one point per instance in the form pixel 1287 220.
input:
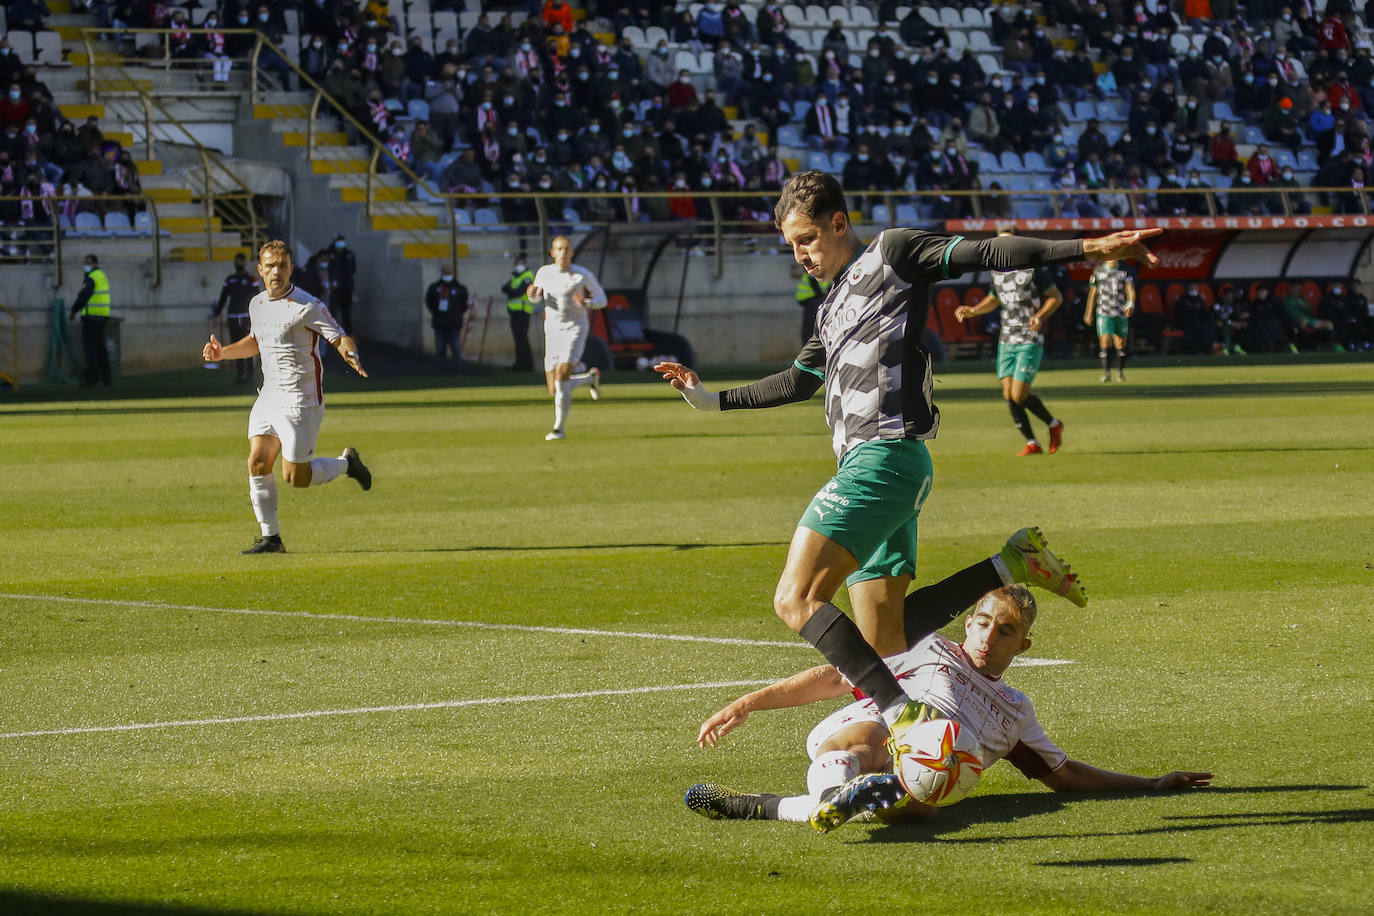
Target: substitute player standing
pixel 567 291
pixel 1112 294
pixel 1028 298
pixel 878 404
pixel 286 324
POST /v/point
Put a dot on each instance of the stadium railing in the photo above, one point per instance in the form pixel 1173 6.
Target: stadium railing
pixel 49 243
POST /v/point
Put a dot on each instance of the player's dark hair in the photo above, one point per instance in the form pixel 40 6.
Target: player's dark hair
pixel 278 247
pixel 814 194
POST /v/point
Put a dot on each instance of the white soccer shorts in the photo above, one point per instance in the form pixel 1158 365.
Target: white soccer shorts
pixel 564 341
pixel 298 428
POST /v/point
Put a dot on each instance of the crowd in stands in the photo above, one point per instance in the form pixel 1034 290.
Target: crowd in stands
pixel 1269 320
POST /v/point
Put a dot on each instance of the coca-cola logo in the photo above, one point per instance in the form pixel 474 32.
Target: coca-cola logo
pixel 1180 258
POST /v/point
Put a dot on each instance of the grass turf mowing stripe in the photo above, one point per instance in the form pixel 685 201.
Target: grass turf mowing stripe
pixel 366 710
pixel 473 624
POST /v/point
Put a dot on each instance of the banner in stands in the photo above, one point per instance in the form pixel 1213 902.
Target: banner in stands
pixel 1113 224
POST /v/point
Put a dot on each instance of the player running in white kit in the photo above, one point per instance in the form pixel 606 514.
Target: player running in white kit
pixel 286 326
pixel 566 291
pixel 960 682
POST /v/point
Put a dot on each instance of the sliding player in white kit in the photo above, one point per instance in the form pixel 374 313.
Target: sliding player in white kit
pixel 566 291
pixel 850 770
pixel 286 324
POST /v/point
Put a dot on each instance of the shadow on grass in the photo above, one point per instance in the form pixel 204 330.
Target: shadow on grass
pixel 1115 863
pixel 23 903
pixel 1006 809
pixel 553 548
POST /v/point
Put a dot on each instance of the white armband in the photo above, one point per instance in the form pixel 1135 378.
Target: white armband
pixel 700 398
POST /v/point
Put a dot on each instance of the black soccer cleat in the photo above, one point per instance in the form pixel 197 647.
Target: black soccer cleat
pixel 356 469
pixel 722 803
pixel 269 544
pixel 864 794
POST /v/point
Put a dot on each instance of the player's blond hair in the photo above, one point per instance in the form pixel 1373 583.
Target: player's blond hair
pixel 276 246
pixel 1019 599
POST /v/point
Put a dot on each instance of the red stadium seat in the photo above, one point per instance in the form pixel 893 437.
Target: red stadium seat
pixel 1205 291
pixel 1150 300
pixel 1281 289
pixel 1173 292
pixel 1312 292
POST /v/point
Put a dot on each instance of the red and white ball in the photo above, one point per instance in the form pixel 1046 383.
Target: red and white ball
pixel 937 761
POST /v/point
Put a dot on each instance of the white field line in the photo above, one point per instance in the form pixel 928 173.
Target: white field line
pixel 470 624
pixel 367 710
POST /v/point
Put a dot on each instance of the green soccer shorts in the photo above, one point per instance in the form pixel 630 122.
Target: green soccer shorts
pixel 1113 327
pixel 870 507
pixel 1019 361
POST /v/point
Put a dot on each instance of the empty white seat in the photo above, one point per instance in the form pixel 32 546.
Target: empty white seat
pixel 951 18
pixel 47 47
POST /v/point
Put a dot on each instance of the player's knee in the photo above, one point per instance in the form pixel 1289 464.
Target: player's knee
pixel 793 607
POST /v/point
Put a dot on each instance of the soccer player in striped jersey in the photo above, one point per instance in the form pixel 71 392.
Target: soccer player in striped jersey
pixel 850 767
pixel 860 528
pixel 286 324
pixel 1112 295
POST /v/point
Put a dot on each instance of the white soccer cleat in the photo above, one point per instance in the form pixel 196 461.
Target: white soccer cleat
pixel 555 434
pixel 594 386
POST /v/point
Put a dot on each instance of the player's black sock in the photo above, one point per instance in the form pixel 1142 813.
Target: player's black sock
pixel 1120 360
pixel 1106 361
pixel 840 641
pixel 1020 420
pixel 929 608
pixel 1037 407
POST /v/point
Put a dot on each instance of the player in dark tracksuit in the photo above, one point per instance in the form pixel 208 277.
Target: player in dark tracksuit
pixel 239 288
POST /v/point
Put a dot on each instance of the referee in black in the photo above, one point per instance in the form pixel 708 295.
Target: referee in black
pixel 239 287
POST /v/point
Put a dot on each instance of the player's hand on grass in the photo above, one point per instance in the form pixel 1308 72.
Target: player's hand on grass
pixel 677 375
pixel 721 724
pixel 212 350
pixel 1180 779
pixel 1121 246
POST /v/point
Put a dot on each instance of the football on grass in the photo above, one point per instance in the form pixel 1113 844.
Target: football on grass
pixel 938 761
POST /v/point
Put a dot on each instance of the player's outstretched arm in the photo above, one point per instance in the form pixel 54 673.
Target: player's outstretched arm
pixel 245 347
pixel 820 683
pixel 348 349
pixel 1121 246
pixel 689 383
pixel 1076 776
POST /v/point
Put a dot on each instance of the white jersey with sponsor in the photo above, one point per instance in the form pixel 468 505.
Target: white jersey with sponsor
pixel 936 671
pixel 288 330
pixel 559 286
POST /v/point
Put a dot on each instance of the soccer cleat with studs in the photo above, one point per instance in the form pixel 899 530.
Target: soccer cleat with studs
pixel 723 803
pixel 594 386
pixel 1029 559
pixel 1031 448
pixel 356 469
pixel 864 794
pixel 1056 435
pixel 270 543
pixel 554 434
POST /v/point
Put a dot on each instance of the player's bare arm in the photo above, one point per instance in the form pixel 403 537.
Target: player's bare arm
pixel 1092 303
pixel 245 347
pixel 820 683
pixel 348 349
pixel 1120 246
pixel 1076 776
pixel 1053 299
pixel 1130 298
pixel 985 305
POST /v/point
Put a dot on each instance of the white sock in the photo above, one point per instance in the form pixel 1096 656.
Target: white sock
pixel 797 808
pixel 891 713
pixel 323 470
pixel 833 768
pixel 562 399
pixel 1003 573
pixel 262 492
pixel 579 379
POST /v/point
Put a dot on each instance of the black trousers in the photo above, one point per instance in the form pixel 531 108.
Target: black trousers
pixel 93 345
pixel 520 331
pixel 239 326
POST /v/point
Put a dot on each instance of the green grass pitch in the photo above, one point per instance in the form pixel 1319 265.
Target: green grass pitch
pixel 330 731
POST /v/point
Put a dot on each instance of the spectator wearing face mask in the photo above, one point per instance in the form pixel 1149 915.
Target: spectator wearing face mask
pixel 1287 183
pixel 446 300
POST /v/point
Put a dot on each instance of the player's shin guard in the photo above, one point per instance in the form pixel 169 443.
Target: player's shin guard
pixel 1020 420
pixel 927 609
pixel 323 470
pixel 262 492
pixel 1037 407
pixel 1121 360
pixel 1105 355
pixel 839 640
pixel 562 397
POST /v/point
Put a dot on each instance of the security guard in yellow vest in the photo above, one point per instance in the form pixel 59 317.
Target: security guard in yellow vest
pixel 93 304
pixel 810 293
pixel 519 309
